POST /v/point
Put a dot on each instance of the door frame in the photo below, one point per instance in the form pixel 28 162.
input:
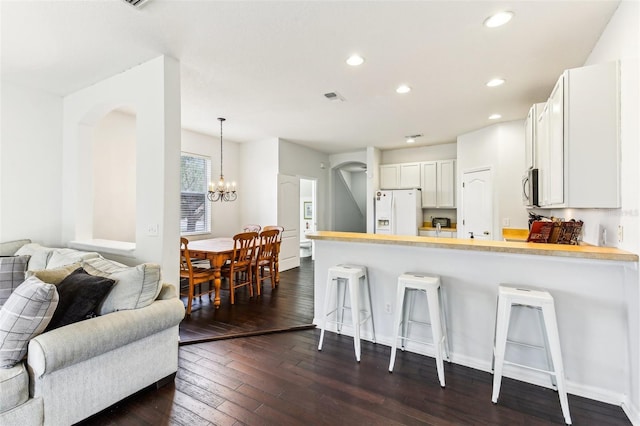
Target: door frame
pixel 314 208
pixel 461 200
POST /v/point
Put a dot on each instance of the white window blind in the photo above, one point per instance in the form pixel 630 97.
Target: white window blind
pixel 195 208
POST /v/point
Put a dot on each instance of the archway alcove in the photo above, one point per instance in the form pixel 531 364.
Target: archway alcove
pixel 114 176
pixel 350 197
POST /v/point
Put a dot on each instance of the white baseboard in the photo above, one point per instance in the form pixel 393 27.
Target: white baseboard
pixel 632 412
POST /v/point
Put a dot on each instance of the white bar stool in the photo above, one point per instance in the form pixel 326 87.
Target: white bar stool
pixel 542 300
pixel 351 275
pixel 414 282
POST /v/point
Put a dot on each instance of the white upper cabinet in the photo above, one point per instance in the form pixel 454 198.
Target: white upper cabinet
pixel 542 154
pixel 555 164
pixel 389 176
pixel 531 134
pixel 580 161
pixel 438 184
pixel 400 176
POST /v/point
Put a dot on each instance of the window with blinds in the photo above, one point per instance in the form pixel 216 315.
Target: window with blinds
pixel 195 208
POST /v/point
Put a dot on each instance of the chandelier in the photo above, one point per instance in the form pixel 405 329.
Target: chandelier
pixel 222 191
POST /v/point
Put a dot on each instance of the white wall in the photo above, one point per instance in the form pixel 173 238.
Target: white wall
pixel 258 195
pixel 225 216
pixel 374 159
pixel 445 151
pixel 297 160
pixel 153 90
pixel 114 177
pixel 501 147
pixel 30 165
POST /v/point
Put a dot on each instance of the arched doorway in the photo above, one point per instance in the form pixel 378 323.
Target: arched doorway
pixel 350 197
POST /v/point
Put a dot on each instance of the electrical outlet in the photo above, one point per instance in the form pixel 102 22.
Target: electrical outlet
pixel 506 221
pixel 602 236
pixel 153 230
pixel 620 233
pixel 387 308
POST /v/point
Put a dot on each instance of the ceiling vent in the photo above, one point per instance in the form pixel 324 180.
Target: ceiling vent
pixel 136 3
pixel 334 96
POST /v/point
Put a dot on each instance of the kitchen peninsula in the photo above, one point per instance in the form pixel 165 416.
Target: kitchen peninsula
pixel 595 291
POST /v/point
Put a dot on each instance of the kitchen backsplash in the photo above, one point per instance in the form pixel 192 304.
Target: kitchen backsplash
pixel 428 214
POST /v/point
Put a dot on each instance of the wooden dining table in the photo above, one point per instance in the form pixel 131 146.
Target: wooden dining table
pixel 217 251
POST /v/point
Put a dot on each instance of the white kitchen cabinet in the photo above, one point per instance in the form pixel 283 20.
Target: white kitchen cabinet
pixel 582 165
pixel 399 176
pixel 438 184
pixel 555 163
pixel 542 155
pixel 531 134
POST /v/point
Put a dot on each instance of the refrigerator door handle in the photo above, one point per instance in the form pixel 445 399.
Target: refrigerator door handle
pixel 393 216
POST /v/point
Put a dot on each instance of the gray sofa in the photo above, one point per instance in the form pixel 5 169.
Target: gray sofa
pixel 75 371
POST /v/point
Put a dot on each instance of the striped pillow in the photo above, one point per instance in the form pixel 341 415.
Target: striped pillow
pixel 136 286
pixel 12 271
pixel 25 314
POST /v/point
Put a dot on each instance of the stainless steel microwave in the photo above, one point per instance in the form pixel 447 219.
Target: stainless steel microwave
pixel 530 188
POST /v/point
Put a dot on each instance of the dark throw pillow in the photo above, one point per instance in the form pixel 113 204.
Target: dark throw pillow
pixel 80 294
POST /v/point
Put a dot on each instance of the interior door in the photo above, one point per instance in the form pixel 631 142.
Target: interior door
pixel 477 204
pixel 289 218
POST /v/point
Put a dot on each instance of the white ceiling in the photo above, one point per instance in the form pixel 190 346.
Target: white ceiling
pixel 265 65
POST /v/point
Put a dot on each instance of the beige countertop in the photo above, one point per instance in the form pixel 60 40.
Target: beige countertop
pixel 560 250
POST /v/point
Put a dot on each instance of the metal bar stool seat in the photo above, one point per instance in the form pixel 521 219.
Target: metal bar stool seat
pixel 408 285
pixel 351 276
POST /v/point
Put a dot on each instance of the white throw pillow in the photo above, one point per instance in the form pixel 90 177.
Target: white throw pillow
pixel 24 315
pixel 39 255
pixel 136 286
pixel 66 256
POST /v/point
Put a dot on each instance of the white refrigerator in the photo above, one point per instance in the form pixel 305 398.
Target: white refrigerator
pixel 398 212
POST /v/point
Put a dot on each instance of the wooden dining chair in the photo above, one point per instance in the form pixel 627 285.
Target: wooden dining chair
pixel 239 271
pixel 251 228
pixel 280 230
pixel 195 276
pixel 266 258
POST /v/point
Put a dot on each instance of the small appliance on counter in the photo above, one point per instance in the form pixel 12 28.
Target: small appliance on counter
pixel 444 222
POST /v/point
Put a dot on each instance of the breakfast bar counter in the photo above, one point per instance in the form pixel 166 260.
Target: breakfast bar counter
pixel 595 291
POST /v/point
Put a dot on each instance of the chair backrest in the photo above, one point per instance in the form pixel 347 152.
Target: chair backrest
pixel 280 230
pixel 185 258
pixel 268 246
pixel 251 228
pixel 243 248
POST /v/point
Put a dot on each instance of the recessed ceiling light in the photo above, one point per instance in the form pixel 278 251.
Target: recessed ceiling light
pixel 355 60
pixel 498 19
pixel 403 88
pixel 495 82
pixel 494 116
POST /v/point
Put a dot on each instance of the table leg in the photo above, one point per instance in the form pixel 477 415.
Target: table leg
pixel 216 263
pixel 216 285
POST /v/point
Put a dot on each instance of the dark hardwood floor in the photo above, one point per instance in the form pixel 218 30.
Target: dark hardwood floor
pixel 289 305
pixel 282 379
